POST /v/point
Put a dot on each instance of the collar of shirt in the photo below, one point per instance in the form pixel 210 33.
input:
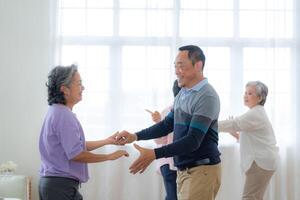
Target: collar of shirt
pixel 187 91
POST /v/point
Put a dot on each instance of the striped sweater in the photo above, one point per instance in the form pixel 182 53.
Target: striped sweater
pixel 194 121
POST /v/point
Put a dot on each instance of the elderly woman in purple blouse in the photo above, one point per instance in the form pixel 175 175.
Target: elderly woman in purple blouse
pixel 63 149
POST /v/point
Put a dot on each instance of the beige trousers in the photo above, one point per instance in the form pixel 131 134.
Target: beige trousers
pixel 257 180
pixel 199 183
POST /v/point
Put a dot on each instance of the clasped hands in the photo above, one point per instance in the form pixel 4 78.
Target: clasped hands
pixel 146 155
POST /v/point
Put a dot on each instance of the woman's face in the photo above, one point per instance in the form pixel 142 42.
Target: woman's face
pixel 250 97
pixel 73 93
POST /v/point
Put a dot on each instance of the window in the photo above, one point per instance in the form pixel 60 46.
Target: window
pixel 125 50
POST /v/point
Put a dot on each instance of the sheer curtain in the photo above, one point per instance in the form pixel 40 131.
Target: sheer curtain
pixel 125 51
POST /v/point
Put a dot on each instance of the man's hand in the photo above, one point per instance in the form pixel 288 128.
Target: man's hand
pixel 117 154
pixel 143 161
pixel 124 137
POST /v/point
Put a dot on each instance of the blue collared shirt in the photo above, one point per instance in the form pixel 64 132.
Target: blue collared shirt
pixel 187 91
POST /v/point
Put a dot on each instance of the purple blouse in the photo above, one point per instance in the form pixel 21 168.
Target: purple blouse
pixel 62 139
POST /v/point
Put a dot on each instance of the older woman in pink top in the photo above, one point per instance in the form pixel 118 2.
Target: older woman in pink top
pixel 166 165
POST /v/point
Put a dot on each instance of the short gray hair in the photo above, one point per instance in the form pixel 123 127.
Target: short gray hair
pixel 59 76
pixel 261 90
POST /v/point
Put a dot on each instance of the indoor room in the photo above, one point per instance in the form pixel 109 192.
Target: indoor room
pixel 127 56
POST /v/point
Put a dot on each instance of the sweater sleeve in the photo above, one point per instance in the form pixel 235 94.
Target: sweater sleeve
pixel 202 114
pixel 197 130
pixel 187 144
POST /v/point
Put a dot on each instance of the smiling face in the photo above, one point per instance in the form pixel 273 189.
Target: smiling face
pixel 251 98
pixel 73 92
pixel 187 73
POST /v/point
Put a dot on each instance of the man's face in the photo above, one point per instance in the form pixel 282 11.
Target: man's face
pixel 185 71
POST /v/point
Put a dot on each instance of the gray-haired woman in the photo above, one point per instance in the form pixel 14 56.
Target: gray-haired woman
pixel 258 150
pixel 63 149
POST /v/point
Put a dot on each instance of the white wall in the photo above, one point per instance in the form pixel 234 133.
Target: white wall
pixel 23 71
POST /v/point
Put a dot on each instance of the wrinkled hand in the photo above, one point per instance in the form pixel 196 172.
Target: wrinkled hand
pixel 117 154
pixel 124 137
pixel 143 161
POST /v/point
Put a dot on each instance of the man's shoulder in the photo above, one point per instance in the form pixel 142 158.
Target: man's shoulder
pixel 208 88
pixel 207 93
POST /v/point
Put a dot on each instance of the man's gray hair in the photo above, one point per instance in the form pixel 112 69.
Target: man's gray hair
pixel 261 90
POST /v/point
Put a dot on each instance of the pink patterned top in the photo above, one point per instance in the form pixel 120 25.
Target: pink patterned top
pixel 162 141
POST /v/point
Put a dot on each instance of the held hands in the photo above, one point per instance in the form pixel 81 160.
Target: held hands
pixel 146 155
pixel 124 137
pixel 112 139
pixel 143 161
pixel 121 138
pixel 117 154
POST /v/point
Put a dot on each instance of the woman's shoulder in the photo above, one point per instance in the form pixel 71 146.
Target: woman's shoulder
pixel 259 110
pixel 258 113
pixel 60 111
pixel 253 114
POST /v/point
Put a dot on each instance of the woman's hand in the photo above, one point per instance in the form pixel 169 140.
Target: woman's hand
pixel 117 154
pixel 236 135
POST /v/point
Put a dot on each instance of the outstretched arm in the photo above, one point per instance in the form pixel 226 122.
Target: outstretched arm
pixel 88 157
pixel 92 145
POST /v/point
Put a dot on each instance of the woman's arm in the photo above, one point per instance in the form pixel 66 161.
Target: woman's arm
pixel 92 145
pixel 246 122
pixel 88 157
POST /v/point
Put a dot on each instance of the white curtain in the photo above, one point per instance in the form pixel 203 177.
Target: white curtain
pixel 125 50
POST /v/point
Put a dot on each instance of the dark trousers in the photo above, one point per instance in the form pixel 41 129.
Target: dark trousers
pixel 169 177
pixel 59 188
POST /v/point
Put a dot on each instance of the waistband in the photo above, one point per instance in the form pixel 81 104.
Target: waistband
pixel 205 161
pixel 61 178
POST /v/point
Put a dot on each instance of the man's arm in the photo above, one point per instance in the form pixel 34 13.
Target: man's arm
pixel 185 145
pixel 158 130
pixel 190 142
